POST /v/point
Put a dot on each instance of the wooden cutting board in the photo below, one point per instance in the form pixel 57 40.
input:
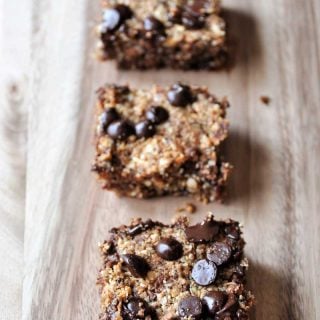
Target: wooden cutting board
pixel 275 150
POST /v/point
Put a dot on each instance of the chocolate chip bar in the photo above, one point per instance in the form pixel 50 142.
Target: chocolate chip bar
pixel 162 141
pixel 178 34
pixel 156 271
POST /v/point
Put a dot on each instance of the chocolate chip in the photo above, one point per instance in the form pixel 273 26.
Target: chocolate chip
pixel 219 253
pixel 113 18
pixel 169 249
pixel 135 308
pixel 191 20
pixel 190 307
pixel 204 272
pixel 125 11
pixel 180 95
pixel 232 231
pixel 120 130
pixel 137 265
pixel 202 232
pixel 107 117
pixel 157 114
pixel 214 302
pixel 145 129
pixel 153 24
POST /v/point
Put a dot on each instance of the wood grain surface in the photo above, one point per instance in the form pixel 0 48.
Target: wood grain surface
pixel 14 59
pixel 275 150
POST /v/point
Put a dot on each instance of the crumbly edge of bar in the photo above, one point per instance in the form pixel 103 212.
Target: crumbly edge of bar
pixel 129 187
pixel 198 56
pixel 144 8
pixel 140 237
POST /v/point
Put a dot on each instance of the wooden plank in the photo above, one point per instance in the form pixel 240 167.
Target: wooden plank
pixel 274 148
pixel 14 58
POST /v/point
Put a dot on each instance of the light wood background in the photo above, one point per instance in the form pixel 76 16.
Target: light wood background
pixel 15 25
pixel 275 149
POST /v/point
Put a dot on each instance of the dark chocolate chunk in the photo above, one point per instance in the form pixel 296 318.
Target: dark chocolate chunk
pixel 169 249
pixel 153 24
pixel 202 232
pixel 157 114
pixel 192 20
pixel 107 117
pixel 135 230
pixel 145 129
pixel 180 95
pixel 232 232
pixel 135 308
pixel 143 226
pixel 214 301
pixel 120 130
pixel 190 307
pixel 219 253
pixel 204 272
pixel 137 265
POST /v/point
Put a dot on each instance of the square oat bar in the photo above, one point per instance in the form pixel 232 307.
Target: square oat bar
pixel 178 34
pixel 161 141
pixel 156 271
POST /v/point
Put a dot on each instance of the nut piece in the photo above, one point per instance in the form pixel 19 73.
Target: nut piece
pixel 137 265
pixel 188 207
